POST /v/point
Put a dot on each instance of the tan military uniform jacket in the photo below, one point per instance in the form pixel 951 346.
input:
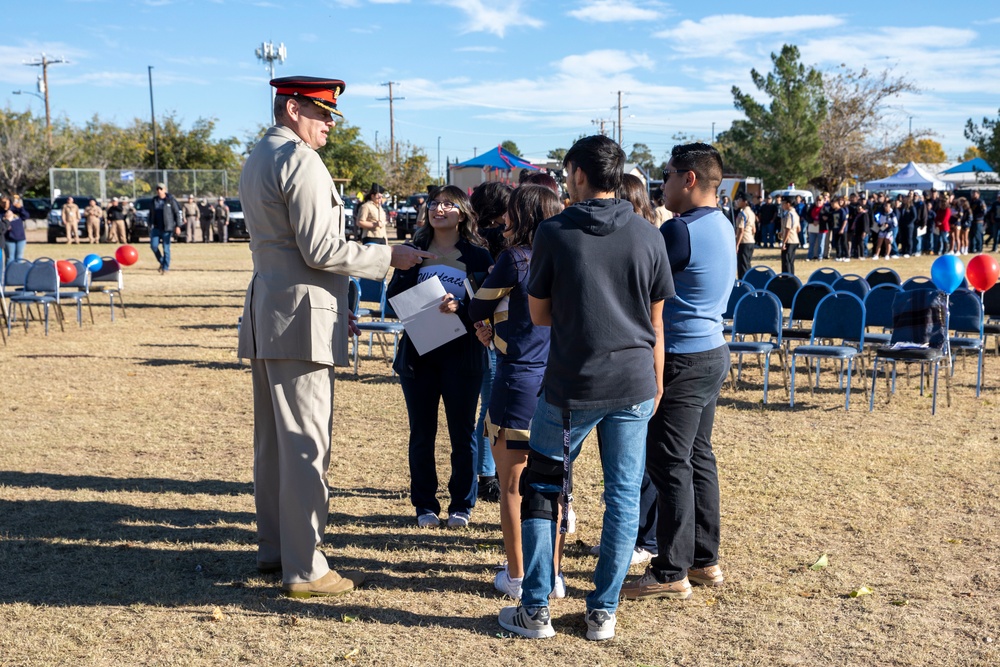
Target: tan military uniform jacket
pixel 70 213
pixel 296 303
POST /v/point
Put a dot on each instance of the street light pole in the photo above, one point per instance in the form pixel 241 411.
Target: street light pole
pixel 268 54
pixel 152 115
pixel 439 160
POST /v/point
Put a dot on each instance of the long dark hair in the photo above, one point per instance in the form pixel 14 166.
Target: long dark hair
pixel 529 205
pixel 466 222
pixel 490 201
pixel 635 192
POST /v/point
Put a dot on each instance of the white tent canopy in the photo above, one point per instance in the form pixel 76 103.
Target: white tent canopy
pixel 910 177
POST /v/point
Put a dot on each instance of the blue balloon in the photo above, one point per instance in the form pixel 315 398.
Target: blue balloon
pixel 947 272
pixel 93 262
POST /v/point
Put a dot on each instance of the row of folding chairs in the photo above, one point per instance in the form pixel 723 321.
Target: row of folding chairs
pixel 758 276
pixel 381 320
pixel 25 283
pixel 857 323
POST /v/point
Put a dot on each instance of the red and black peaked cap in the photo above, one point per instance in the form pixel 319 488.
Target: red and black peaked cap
pixel 324 92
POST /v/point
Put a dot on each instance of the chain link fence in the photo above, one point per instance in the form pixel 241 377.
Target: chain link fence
pixel 134 183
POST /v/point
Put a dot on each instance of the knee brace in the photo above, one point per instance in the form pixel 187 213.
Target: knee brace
pixel 540 486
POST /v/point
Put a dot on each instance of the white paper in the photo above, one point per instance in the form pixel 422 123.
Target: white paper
pixel 418 310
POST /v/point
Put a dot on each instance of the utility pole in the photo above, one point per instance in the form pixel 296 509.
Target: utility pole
pixel 600 122
pixel 911 128
pixel 152 114
pixel 713 131
pixel 267 53
pixel 620 107
pixel 439 159
pixel 392 119
pixel 43 88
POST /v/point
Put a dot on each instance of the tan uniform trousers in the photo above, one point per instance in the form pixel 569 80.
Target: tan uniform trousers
pixel 116 232
pixel 293 421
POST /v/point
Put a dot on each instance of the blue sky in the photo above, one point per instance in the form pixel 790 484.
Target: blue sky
pixel 476 72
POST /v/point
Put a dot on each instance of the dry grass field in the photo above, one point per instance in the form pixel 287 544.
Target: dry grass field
pixel 127 521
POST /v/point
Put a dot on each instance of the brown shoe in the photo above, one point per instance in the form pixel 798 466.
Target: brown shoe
pixel 648 587
pixel 269 567
pixel 329 585
pixel 706 576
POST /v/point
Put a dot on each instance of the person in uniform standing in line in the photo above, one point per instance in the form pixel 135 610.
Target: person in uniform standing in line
pixel 93 214
pixel 221 214
pixel 206 212
pixel 295 328
pixel 371 216
pixel 746 228
pixel 71 220
pixel 116 222
pixel 191 215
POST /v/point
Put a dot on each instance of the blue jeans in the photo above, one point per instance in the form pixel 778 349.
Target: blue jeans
pixel 623 435
pixel 15 250
pixel 485 466
pixel 817 243
pixel 156 236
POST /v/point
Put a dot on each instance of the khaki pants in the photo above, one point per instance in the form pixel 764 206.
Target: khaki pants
pixel 93 231
pixel 191 223
pixel 293 421
pixel 116 232
pixel 72 231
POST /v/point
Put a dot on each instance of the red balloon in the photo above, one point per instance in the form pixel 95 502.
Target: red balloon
pixel 66 270
pixel 126 255
pixel 982 272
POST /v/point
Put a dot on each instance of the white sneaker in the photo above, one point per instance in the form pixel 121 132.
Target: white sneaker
pixel 533 623
pixel 509 586
pixel 559 590
pixel 458 520
pixel 640 555
pixel 428 521
pixel 600 625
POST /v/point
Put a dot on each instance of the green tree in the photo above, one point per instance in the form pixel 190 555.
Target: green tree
pixel 25 155
pixel 347 156
pixel 511 147
pixel 986 138
pixel 642 156
pixel 779 142
pixel 557 154
pixel 409 173
pixel 970 153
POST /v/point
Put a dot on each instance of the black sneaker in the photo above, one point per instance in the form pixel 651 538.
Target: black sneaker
pixel 489 489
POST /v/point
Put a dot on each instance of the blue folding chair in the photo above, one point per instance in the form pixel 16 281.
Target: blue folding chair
pixel 381 327
pixel 803 312
pixel 78 290
pixel 878 313
pixel 41 289
pixel 919 336
pixel 739 290
pixel 113 278
pixel 854 284
pixel 372 291
pixel 757 313
pixel 826 275
pixel 757 276
pixel 919 282
pixel 965 316
pixel 840 315
pixel 784 286
pixel 881 276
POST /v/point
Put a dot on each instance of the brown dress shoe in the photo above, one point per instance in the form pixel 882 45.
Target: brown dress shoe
pixel 329 585
pixel 706 576
pixel 648 587
pixel 268 567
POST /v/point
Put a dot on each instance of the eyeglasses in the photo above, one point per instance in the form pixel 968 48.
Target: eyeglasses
pixel 667 172
pixel 443 205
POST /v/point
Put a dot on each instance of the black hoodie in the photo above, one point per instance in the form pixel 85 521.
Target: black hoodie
pixel 602 265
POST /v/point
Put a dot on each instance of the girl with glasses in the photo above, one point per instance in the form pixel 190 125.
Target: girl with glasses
pixel 452 372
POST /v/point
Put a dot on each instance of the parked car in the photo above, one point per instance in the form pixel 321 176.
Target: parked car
pixel 56 228
pixel 237 223
pixel 406 216
pixel 350 228
pixel 37 208
pixel 140 226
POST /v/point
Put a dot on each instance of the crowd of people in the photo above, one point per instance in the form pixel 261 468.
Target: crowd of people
pixel 872 226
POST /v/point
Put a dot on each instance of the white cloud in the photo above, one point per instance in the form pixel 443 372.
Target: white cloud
pixel 603 63
pixel 617 11
pixel 478 49
pixel 13 58
pixel 719 34
pixel 389 2
pixel 496 18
